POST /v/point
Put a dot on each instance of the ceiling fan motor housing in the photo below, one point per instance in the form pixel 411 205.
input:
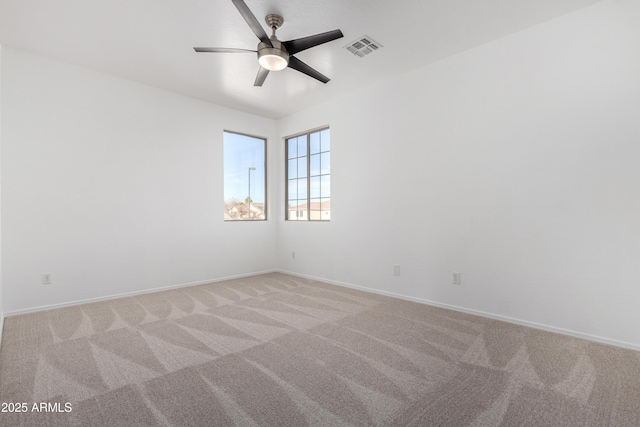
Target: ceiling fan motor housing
pixel 273 58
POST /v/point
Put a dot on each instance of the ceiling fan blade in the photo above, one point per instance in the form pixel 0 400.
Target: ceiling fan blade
pixel 298 65
pixel 298 45
pixel 222 50
pixel 251 20
pixel 262 75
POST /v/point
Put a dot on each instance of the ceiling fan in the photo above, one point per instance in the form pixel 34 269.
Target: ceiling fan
pixel 273 54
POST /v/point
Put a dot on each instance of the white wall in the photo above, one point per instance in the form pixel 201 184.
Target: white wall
pixel 115 187
pixel 515 164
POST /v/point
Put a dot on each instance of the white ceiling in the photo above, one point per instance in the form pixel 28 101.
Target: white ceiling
pixel 151 41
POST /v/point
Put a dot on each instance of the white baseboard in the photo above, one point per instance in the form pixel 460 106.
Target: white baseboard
pixel 575 334
pixel 130 294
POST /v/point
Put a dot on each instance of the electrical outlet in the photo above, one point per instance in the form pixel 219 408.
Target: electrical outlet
pixel 396 270
pixel 293 254
pixel 46 279
pixel 455 278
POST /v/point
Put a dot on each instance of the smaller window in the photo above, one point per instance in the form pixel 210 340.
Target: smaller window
pixel 308 176
pixel 245 177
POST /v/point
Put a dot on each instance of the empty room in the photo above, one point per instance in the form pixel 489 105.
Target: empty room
pixel 320 213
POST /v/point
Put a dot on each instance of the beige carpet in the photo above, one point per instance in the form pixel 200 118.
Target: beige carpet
pixel 278 350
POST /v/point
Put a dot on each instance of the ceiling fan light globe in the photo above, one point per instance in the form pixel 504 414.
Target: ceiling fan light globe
pixel 273 62
pixel 272 58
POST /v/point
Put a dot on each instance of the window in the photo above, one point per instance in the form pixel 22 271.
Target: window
pixel 308 177
pixel 245 177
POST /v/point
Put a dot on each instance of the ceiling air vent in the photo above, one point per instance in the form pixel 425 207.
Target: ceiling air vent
pixel 363 46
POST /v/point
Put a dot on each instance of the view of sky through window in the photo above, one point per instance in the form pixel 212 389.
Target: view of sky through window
pixel 244 177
